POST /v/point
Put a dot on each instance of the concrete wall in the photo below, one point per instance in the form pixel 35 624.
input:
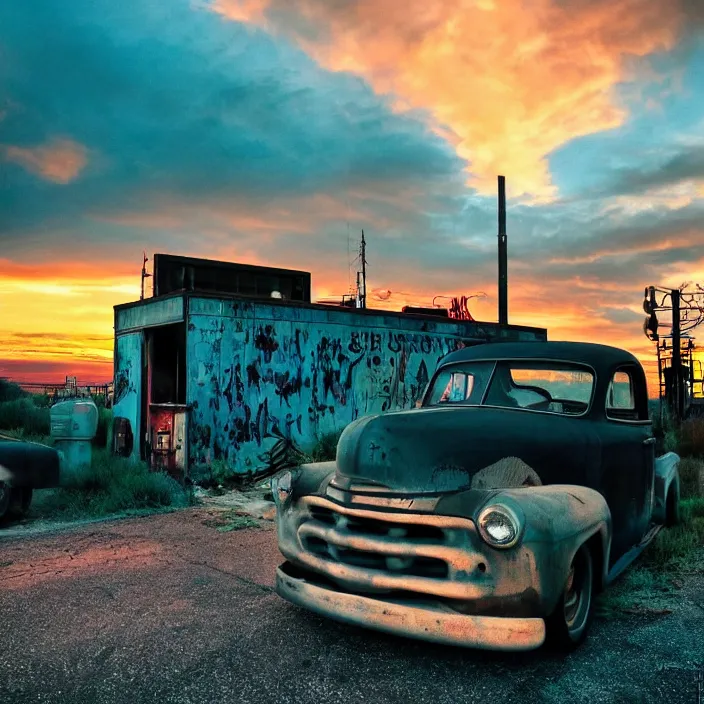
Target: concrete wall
pixel 128 383
pixel 262 378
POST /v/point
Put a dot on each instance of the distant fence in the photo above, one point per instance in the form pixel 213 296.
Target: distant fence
pixel 70 388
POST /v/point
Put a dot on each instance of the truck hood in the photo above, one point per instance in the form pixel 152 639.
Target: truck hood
pixel 427 450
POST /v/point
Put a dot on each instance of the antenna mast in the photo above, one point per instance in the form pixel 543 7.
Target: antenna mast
pixel 362 276
pixel 144 274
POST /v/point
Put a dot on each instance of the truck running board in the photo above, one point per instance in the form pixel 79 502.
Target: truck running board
pixel 625 560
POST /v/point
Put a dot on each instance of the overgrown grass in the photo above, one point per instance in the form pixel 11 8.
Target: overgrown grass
pixel 23 419
pixel 651 586
pixel 691 438
pixel 111 485
pixel 325 448
pixel 691 477
pixel 680 547
pixel 23 414
pixel 20 434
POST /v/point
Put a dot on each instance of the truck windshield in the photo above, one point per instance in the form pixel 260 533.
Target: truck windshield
pixel 541 386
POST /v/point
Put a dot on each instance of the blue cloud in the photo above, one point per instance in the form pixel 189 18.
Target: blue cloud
pixel 171 99
pixel 631 158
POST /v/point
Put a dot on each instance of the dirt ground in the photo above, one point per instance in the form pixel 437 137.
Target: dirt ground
pixel 179 607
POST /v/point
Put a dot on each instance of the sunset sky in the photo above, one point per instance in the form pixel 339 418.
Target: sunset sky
pixel 273 131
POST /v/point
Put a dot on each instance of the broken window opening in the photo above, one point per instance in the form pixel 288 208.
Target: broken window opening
pixel 168 364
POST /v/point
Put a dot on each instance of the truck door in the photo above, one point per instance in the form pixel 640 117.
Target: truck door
pixel 628 458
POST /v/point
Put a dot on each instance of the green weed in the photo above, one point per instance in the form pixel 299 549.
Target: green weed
pixel 325 448
pixel 691 438
pixel 23 414
pixel 691 477
pixel 111 485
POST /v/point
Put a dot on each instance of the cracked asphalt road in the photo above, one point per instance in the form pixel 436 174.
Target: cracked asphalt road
pixel 167 609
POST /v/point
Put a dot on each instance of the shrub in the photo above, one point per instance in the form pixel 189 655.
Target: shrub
pixel 691 438
pixel 325 448
pixel 22 414
pixel 41 400
pixel 9 391
pixel 220 472
pixel 103 435
pixel 111 485
pixel 691 477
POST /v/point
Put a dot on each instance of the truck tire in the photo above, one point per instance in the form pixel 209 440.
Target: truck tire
pixel 5 492
pixel 569 623
pixel 672 506
pixel 20 500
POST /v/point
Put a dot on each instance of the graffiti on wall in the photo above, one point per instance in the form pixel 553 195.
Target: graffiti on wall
pixel 128 361
pixel 259 392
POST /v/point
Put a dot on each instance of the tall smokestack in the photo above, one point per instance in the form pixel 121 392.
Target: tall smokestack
pixel 503 255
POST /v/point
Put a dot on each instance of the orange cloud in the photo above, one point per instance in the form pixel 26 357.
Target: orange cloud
pixel 507 82
pixel 59 161
pixel 56 319
pixel 54 323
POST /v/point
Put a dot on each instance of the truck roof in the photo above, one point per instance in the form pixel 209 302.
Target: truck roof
pixel 594 355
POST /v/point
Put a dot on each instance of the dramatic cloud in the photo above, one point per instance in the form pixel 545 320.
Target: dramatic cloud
pixel 507 82
pixel 222 113
pixel 60 161
pixel 678 178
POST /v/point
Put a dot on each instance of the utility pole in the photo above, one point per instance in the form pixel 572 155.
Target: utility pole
pixel 681 380
pixel 503 255
pixel 677 381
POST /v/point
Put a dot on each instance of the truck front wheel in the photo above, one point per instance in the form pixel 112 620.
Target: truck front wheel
pixel 568 624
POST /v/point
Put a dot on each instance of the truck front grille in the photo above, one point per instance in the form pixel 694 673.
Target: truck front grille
pixel 382 550
pixel 363 525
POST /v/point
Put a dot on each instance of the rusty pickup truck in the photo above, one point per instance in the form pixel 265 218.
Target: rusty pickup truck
pixel 489 516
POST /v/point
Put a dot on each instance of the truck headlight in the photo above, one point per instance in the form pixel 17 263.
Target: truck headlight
pixel 499 526
pixel 281 488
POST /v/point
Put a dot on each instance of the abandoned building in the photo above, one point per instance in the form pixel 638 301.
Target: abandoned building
pixel 234 363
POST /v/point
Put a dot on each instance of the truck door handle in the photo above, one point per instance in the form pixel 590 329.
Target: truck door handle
pixel 649 441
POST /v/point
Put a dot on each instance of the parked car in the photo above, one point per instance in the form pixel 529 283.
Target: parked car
pixel 24 466
pixel 524 482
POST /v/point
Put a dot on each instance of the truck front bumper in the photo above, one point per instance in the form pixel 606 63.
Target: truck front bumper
pixel 426 622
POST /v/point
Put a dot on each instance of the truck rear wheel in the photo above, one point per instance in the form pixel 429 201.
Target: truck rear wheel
pixel 569 623
pixel 672 506
pixel 5 493
pixel 20 500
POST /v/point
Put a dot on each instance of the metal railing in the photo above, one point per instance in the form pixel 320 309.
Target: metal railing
pixel 70 388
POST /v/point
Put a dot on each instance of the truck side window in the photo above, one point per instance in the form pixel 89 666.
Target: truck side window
pixel 620 398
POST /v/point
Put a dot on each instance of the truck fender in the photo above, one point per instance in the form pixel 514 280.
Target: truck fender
pixel 667 479
pixel 558 519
